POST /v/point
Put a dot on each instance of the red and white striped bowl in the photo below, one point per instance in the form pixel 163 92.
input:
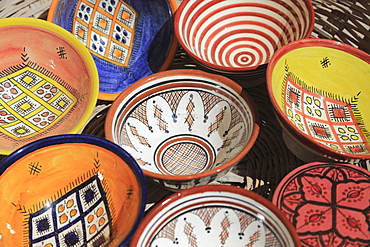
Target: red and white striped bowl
pixel 239 35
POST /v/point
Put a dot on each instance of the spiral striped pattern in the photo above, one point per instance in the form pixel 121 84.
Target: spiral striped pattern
pixel 240 34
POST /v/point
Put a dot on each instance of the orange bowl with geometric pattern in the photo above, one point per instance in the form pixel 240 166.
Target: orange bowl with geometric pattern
pixel 70 190
pixel 48 82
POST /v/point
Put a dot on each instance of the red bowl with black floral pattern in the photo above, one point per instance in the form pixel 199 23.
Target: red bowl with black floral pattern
pixel 328 203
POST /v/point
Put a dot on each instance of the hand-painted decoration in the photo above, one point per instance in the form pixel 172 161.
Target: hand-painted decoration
pixel 184 127
pixel 180 132
pixel 215 215
pixel 128 39
pixel 327 203
pixel 48 82
pixel 237 35
pixel 80 216
pixel 327 118
pixel 91 203
pixel 32 99
pixel 107 28
pixel 225 226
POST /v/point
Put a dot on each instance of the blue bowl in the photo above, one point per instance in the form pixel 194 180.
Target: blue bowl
pixel 128 39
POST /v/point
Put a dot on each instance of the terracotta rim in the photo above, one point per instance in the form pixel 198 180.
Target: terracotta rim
pixel 229 69
pixel 214 188
pixel 228 82
pixel 312 42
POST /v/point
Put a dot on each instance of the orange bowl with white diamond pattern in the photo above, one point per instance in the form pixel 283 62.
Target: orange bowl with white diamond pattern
pixel 184 127
pixel 319 89
pixel 48 82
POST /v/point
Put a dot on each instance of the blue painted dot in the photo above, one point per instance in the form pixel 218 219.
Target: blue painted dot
pixel 110 9
pixel 113 2
pixel 104 5
pixel 102 42
pixel 89 193
pixel 71 239
pixel 125 32
pixel 88 9
pixel 93 46
pixel 83 7
pixel 101 49
pixel 95 37
pixel 118 28
pixel 43 225
pixel 124 40
pixel 86 17
pixel 80 15
pixel 117 37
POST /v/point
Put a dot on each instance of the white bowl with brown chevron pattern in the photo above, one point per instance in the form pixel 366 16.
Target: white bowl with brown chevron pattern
pixel 215 215
pixel 184 127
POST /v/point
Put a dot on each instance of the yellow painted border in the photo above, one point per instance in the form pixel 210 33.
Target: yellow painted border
pixel 82 50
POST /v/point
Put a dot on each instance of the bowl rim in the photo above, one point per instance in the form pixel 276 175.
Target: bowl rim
pixel 311 42
pixel 171 53
pixel 225 69
pixel 184 72
pixel 91 140
pixel 217 188
pixel 80 48
pixel 292 175
pixel 302 169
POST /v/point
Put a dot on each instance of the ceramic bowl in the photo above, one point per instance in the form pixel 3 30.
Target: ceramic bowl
pixel 319 89
pixel 215 215
pixel 184 127
pixel 70 190
pixel 328 204
pixel 237 36
pixel 48 82
pixel 128 39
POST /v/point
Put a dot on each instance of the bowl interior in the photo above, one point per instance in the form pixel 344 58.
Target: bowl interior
pixel 214 216
pixel 320 89
pixel 48 82
pixel 72 192
pixel 179 123
pixel 128 39
pixel 322 204
pixel 240 35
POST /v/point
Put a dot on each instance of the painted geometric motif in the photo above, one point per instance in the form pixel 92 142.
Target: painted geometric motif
pixel 215 226
pixel 328 204
pixel 106 28
pixel 181 132
pixel 80 216
pixel 328 121
pixel 31 102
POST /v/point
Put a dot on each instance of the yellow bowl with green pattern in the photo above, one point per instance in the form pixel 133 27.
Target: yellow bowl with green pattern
pixel 48 82
pixel 320 90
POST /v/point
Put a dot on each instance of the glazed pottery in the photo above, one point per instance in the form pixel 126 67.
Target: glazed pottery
pixel 215 215
pixel 183 127
pixel 319 89
pixel 70 190
pixel 237 35
pixel 128 39
pixel 328 204
pixel 48 82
